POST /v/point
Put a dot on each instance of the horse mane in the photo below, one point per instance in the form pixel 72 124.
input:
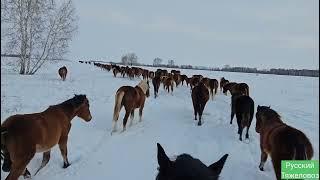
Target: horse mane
pixel 143 85
pixel 75 102
pixel 269 113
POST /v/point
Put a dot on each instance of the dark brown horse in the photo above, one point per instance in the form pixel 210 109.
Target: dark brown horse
pixel 279 140
pixel 200 97
pixel 223 81
pixel 168 84
pixel 156 85
pixel 23 135
pixel 131 98
pixel 184 78
pixel 243 107
pixel 177 79
pixel 63 72
pixel 241 88
pixel 213 85
pixel 228 87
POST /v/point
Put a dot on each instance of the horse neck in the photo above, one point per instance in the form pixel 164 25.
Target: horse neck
pixel 274 122
pixel 68 110
pixel 142 88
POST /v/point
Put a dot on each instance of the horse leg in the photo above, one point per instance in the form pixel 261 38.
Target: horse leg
pixel 140 112
pixel 45 160
pixel 64 151
pixel 247 133
pixel 19 167
pixel 125 119
pixel 131 117
pixel 232 115
pixel 276 161
pixel 263 159
pixel 200 113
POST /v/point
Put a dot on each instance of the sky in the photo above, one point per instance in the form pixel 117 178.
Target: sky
pixel 261 34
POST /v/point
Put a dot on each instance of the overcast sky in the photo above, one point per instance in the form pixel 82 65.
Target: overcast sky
pixel 262 34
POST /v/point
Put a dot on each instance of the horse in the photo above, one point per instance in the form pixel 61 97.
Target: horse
pixel 185 167
pixel 213 84
pixel 168 84
pixel 131 98
pixel 243 107
pixel 116 71
pixel 177 78
pixel 22 135
pixel 228 87
pixel 223 81
pixel 156 84
pixel 279 140
pixel 63 72
pixel 194 81
pixel 200 97
pixel 184 78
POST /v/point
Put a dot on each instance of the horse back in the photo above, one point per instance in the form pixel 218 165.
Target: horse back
pixel 42 131
pixel 288 140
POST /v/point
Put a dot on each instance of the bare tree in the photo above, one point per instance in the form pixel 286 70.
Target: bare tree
pixel 171 63
pixel 38 30
pixel 130 58
pixel 157 61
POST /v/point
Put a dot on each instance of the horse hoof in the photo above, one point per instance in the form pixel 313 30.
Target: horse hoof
pixel 261 168
pixel 65 165
pixel 240 139
pixel 199 124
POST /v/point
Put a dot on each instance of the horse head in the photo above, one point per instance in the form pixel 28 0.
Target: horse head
pixel 187 167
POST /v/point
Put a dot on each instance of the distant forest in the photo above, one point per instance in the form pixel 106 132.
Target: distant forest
pixel 277 71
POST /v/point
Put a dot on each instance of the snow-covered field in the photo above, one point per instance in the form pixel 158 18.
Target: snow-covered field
pixel 95 154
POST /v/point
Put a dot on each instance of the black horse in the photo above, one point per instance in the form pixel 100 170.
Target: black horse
pixel 156 84
pixel 185 167
pixel 243 107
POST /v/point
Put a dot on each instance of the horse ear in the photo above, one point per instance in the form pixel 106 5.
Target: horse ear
pixel 217 166
pixel 269 106
pixel 163 160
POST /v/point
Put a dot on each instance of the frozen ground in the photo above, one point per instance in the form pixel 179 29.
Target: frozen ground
pixel 94 154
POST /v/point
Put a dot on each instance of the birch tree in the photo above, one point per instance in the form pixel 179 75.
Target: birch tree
pixel 38 30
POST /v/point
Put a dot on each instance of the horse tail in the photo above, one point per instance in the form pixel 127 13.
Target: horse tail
pixel 6 166
pixel 300 152
pixel 117 105
pixel 246 119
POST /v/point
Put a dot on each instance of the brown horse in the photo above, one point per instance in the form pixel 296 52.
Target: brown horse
pixel 156 84
pixel 131 98
pixel 23 135
pixel 243 107
pixel 200 96
pixel 213 85
pixel 63 72
pixel 280 141
pixel 168 84
pixel 241 88
pixel 228 87
pixel 223 81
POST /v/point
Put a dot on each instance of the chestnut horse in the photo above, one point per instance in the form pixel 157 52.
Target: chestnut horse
pixel 168 84
pixel 23 135
pixel 279 140
pixel 200 97
pixel 63 72
pixel 131 98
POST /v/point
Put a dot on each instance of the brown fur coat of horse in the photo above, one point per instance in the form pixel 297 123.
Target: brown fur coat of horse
pixel 131 98
pixel 280 141
pixel 23 135
pixel 200 97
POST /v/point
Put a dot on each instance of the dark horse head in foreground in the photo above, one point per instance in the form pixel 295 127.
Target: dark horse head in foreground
pixel 185 167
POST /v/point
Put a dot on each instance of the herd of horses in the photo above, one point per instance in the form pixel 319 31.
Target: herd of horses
pixel 22 135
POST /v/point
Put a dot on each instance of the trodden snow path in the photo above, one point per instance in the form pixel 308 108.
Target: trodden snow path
pixel 95 154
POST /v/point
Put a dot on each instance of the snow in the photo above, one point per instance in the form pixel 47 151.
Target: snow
pixel 168 120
